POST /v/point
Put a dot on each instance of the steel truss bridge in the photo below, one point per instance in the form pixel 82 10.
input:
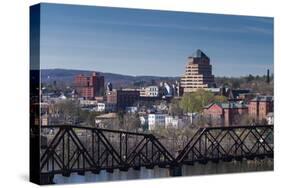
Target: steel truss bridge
pixel 69 149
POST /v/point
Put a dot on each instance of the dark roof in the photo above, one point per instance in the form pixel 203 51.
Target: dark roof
pixel 209 105
pixel 263 98
pixel 233 105
pixel 228 105
pixel 234 93
pixel 199 54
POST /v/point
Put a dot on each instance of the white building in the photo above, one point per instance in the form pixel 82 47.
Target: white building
pixel 175 122
pixel 144 121
pixel 155 120
pixel 105 107
pixel 270 118
pixel 213 90
pixel 150 91
pixel 169 121
pixel 101 107
pixel 84 102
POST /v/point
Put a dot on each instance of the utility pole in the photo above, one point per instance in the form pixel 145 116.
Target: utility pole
pixel 267 77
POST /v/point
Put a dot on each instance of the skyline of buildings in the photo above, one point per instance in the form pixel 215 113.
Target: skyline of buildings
pixel 92 95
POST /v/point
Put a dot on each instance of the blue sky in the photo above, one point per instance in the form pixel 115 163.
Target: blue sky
pixel 149 42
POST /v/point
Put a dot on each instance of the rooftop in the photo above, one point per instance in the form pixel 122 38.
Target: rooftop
pixel 270 114
pixel 199 54
pixel 107 116
pixel 227 105
pixel 234 93
pixel 263 98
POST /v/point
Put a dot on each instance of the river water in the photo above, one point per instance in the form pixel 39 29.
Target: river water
pixel 187 170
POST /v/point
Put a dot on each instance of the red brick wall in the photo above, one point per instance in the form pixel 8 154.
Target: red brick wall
pixel 227 114
pixel 214 111
pixel 264 108
pixel 253 109
pixel 259 109
pixel 89 86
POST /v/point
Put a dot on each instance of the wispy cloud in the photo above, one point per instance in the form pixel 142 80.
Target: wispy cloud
pixel 260 30
pixel 237 29
pixel 266 20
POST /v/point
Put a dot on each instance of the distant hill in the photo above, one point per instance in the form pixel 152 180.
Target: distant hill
pixel 118 80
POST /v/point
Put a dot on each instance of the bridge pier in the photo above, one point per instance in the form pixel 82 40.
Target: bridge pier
pixel 81 173
pixel 149 166
pixel 136 167
pixel 124 168
pixel 46 179
pixel 66 174
pixel 175 171
pixel 109 170
pixel 95 171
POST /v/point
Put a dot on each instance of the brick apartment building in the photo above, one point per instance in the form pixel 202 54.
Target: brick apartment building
pixel 89 87
pixel 225 113
pixel 198 73
pixel 123 97
pixel 127 97
pixel 260 106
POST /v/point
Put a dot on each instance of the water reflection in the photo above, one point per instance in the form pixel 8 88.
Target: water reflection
pixel 196 169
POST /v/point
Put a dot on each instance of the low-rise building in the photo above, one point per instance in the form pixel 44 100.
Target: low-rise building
pixel 105 107
pixel 150 91
pixel 225 113
pixel 215 90
pixel 175 122
pixel 101 107
pixel 85 102
pixel 123 97
pixel 237 94
pixel 54 97
pixel 156 120
pixel 127 97
pixel 260 106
